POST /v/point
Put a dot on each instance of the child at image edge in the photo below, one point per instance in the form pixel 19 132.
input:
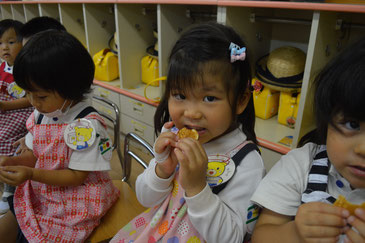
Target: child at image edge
pixel 14 107
pixel 298 192
pixel 207 89
pixel 63 187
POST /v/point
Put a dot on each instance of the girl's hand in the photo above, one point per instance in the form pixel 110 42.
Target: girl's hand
pixel 166 140
pixel 357 222
pixel 21 144
pixel 5 160
pixel 15 175
pixel 320 222
pixel 193 165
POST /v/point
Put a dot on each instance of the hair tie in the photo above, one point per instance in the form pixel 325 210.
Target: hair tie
pixel 237 53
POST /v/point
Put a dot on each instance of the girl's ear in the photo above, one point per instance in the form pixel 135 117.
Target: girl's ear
pixel 242 103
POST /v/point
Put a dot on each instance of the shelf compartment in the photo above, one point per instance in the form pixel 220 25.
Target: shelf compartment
pixel 72 18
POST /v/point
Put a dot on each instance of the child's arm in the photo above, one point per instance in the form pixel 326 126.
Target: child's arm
pixel 357 233
pixel 154 184
pixel 14 104
pixel 27 158
pixel 314 222
pixel 15 175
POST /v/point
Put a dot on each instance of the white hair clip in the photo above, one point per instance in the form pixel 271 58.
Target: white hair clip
pixel 237 53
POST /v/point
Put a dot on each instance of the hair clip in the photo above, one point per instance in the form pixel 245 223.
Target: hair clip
pixel 237 53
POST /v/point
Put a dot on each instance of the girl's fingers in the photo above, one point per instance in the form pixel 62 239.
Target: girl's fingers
pixel 4 177
pixel 192 151
pixel 360 213
pixel 358 224
pixel 324 232
pixel 353 236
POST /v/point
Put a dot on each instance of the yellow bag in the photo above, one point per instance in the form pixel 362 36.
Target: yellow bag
pixel 288 108
pixel 106 65
pixel 265 100
pixel 149 67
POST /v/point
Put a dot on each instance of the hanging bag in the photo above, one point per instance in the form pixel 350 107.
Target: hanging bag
pixel 106 65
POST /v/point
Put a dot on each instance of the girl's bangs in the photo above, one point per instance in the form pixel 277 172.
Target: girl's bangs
pixel 185 76
pixel 349 96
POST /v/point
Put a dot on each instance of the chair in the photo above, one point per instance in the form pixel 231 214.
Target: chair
pixel 127 205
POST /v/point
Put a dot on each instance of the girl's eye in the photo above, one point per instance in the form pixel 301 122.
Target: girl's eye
pixel 352 125
pixel 209 98
pixel 178 96
pixel 11 42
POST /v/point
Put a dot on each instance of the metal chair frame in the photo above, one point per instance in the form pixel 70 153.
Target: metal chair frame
pixel 116 126
pixel 125 162
pixel 129 154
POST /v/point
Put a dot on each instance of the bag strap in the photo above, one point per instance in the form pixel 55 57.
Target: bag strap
pixel 86 111
pixel 237 158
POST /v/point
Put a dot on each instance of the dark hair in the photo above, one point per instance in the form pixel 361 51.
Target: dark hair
pixel 7 24
pixel 339 89
pixel 38 24
pixel 205 48
pixel 55 60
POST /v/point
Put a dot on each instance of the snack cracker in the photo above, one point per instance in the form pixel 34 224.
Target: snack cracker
pixel 188 133
pixel 343 203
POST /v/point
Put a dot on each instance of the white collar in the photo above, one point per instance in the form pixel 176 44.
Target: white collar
pixel 341 181
pixel 8 69
pixel 225 143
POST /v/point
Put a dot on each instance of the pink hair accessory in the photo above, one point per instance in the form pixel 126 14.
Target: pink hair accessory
pixel 237 53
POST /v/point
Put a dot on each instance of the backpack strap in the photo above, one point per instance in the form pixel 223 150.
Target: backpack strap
pixel 39 120
pixel 86 111
pixel 237 158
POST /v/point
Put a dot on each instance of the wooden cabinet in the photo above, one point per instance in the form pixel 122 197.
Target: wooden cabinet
pixel 321 30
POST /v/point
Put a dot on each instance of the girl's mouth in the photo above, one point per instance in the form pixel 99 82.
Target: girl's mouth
pixel 200 130
pixel 358 170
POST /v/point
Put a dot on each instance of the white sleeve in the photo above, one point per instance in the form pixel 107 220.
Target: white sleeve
pixel 222 217
pixel 151 189
pixel 281 189
pixel 93 158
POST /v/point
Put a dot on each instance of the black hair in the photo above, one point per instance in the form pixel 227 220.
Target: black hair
pixel 339 89
pixel 7 24
pixel 202 49
pixel 38 24
pixel 55 60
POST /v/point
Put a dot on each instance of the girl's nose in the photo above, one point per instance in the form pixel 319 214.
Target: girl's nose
pixel 360 147
pixel 193 112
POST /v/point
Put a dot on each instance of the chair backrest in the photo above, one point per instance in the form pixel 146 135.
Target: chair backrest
pixel 129 154
pixel 116 124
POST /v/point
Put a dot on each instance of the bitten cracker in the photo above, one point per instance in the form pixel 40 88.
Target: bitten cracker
pixel 188 133
pixel 343 203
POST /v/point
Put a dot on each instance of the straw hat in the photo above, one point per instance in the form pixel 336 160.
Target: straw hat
pixel 282 69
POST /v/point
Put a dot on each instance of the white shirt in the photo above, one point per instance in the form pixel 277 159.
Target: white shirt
pixel 218 218
pixel 282 188
pixel 89 159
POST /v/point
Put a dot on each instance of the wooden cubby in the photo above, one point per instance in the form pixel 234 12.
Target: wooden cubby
pixel 321 30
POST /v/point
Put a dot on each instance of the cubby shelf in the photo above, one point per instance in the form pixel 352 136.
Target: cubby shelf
pixel 321 30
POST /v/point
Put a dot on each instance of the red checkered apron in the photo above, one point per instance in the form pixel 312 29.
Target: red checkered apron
pixel 48 213
pixel 12 123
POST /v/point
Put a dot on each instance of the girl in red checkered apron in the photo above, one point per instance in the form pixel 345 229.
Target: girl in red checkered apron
pixel 198 190
pixel 63 187
pixel 14 107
